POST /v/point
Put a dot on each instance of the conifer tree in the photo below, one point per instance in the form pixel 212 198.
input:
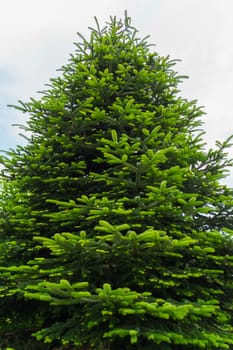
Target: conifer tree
pixel 116 230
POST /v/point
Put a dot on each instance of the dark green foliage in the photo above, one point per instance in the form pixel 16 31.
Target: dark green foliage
pixel 116 232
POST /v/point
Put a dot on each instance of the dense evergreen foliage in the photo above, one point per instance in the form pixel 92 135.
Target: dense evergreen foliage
pixel 116 231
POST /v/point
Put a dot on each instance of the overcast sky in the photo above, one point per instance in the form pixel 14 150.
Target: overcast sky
pixel 36 38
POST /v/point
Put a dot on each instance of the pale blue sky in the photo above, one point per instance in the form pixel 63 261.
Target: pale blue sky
pixel 37 36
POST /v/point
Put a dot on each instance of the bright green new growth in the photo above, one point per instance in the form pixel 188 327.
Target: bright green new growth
pixel 115 228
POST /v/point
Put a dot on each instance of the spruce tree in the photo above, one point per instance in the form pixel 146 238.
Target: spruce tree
pixel 116 229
